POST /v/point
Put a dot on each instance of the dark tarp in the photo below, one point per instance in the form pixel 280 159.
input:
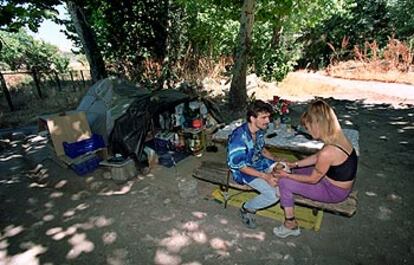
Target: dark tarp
pixel 130 129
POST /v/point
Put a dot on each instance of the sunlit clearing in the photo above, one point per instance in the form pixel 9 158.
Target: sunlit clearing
pixel 79 244
pixel 27 258
pixel 224 221
pixel 59 236
pixel 27 148
pixel 192 263
pixel 124 190
pixel 69 213
pixel 199 215
pixel 12 230
pixel 37 185
pixel 219 244
pixel 49 205
pixel 4 244
pixel 82 206
pixel 370 194
pixel 399 122
pixel 199 237
pixel 176 242
pixel 291 244
pixel 2 159
pixel 60 184
pixel 37 138
pixel 13 180
pixel 79 195
pixel 53 230
pixel 39 147
pixel 37 168
pixel 56 194
pixel 109 238
pixel 164 258
pixel 259 236
pixel 190 226
pixel 102 221
pixel 348 122
pixel 48 217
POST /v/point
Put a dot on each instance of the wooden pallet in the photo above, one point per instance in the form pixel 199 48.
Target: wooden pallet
pixel 217 173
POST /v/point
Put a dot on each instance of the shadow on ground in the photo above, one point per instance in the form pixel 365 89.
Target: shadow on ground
pixel 49 215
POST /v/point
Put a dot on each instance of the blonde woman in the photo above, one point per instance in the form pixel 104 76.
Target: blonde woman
pixel 326 176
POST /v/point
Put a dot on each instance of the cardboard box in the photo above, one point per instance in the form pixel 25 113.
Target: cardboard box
pixel 65 127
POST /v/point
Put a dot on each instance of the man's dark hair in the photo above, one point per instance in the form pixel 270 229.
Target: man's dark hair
pixel 256 107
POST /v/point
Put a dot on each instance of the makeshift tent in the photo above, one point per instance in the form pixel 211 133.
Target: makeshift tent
pixel 122 112
pixel 107 100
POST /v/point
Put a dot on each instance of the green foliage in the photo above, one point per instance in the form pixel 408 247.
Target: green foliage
pixel 360 21
pixel 16 14
pixel 22 51
pixel 278 27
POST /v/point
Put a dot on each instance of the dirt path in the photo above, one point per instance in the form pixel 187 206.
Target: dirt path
pixel 303 85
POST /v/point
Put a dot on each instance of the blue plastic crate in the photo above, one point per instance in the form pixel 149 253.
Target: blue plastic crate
pixel 86 166
pixel 76 149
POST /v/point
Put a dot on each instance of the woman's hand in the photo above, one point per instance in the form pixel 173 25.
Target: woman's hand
pixel 269 177
pixel 292 164
pixel 280 174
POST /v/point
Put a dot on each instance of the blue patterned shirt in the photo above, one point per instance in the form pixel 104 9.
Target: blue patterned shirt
pixel 242 151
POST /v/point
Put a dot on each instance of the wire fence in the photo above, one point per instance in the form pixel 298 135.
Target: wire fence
pixel 41 84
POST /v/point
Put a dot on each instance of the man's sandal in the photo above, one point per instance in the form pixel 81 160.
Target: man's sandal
pixel 282 231
pixel 247 217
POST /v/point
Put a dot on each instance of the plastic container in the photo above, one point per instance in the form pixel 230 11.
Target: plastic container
pixel 86 166
pixel 76 149
pixel 162 146
pixel 166 160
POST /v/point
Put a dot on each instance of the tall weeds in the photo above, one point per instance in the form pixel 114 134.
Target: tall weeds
pixel 392 63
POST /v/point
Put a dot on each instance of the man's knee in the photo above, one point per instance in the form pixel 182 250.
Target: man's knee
pixel 271 196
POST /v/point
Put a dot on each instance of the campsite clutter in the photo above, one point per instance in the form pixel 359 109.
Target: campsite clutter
pixel 124 128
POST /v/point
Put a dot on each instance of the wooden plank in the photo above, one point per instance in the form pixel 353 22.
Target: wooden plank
pixel 216 173
pixel 347 207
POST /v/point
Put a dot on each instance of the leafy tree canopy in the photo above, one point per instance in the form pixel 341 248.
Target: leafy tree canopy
pixel 16 14
pixel 22 52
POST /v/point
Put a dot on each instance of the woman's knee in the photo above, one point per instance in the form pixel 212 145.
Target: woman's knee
pixel 283 183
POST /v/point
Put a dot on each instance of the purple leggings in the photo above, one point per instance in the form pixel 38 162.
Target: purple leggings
pixel 323 191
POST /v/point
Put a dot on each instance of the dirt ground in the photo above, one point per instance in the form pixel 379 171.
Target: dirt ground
pixel 49 215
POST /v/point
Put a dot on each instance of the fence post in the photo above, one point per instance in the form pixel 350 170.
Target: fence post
pixel 83 78
pixel 73 82
pixel 36 80
pixel 58 80
pixel 6 92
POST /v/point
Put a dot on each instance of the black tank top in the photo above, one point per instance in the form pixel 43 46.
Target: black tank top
pixel 345 171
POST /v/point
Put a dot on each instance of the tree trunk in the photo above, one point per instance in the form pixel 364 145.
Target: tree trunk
pixel 238 93
pixel 88 40
pixel 277 32
pixel 6 91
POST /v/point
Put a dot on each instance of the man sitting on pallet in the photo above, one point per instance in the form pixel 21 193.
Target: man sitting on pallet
pixel 250 163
